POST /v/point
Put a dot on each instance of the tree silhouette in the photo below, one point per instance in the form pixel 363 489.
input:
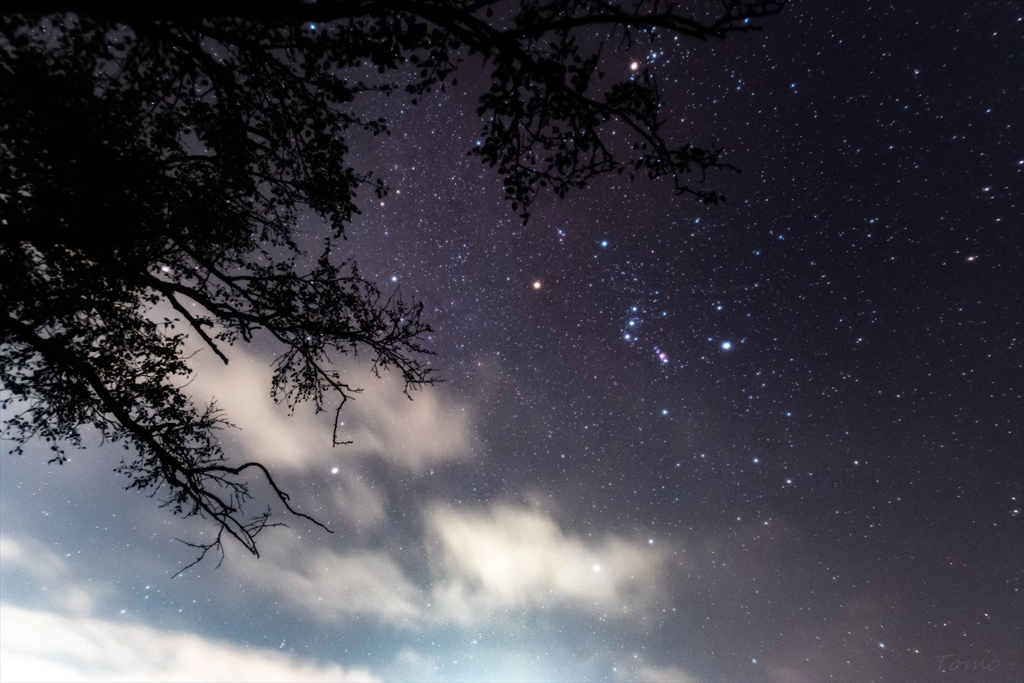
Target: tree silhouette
pixel 160 154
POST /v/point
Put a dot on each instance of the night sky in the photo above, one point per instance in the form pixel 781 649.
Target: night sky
pixel 776 439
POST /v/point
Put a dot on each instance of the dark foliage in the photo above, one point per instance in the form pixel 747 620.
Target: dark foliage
pixel 159 154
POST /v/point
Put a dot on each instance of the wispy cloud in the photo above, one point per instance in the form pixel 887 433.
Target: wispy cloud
pixel 381 421
pixel 518 557
pixel 333 586
pixel 482 563
pixel 50 576
pixel 431 429
pixel 42 646
pixel 642 673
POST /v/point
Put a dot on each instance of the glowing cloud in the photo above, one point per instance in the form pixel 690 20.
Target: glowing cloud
pixel 520 557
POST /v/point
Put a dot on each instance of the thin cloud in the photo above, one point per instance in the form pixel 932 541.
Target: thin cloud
pixel 331 586
pixel 642 673
pixel 42 646
pixel 52 578
pixel 483 563
pixel 415 435
pixel 380 421
pixel 518 557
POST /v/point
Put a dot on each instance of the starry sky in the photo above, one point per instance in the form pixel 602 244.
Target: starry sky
pixel 777 439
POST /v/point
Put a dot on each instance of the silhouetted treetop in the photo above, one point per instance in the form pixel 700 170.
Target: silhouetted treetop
pixel 286 73
pixel 160 154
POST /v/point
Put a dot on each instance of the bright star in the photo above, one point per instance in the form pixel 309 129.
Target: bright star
pixel 726 345
pixel 536 284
